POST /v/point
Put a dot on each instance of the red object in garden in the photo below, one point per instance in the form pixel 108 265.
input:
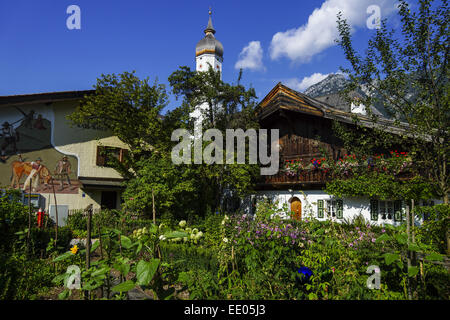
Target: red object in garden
pixel 40 218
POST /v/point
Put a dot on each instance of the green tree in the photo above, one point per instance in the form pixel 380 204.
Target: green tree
pixel 406 72
pixel 173 188
pixel 228 106
pixel 129 108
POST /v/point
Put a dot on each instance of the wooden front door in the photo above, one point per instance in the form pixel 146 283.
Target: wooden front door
pixel 296 207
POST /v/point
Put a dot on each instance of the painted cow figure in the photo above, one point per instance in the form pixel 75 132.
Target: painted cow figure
pixel 20 168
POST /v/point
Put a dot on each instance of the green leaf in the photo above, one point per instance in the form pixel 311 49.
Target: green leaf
pixel 434 257
pixel 100 271
pixel 124 286
pixel 95 245
pixel 176 234
pixel 63 256
pixel 123 268
pixel 139 247
pixel 383 237
pixel 92 285
pixel 412 271
pixel 59 278
pixel 21 232
pixel 413 247
pixel 126 242
pixel 145 271
pixel 401 238
pixel 63 295
pixel 116 231
pixel 391 257
pixel 153 229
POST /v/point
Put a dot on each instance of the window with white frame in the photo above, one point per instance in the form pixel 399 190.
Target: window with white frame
pixel 386 210
pixel 333 207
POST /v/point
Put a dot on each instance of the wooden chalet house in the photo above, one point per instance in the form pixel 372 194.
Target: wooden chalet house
pixel 305 132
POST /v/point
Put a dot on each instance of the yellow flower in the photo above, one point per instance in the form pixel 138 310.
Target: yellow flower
pixel 74 249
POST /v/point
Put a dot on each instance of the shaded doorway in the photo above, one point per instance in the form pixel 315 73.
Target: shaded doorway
pixel 109 200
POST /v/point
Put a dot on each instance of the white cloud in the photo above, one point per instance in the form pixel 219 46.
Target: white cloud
pixel 306 82
pixel 319 33
pixel 251 57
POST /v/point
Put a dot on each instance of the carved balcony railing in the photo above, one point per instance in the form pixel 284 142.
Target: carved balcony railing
pixel 301 176
pixel 315 176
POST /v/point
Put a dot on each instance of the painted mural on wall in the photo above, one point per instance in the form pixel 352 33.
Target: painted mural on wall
pixel 29 161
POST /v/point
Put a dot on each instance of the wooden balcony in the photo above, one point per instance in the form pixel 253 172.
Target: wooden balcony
pixel 310 178
pixel 306 178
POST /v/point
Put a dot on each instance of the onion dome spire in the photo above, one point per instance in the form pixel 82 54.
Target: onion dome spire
pixel 210 28
pixel 209 44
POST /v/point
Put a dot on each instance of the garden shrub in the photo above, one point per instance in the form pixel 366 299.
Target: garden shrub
pixel 13 218
pixel 42 237
pixel 22 277
pixel 77 220
pixel 434 229
pixel 189 257
pixel 22 273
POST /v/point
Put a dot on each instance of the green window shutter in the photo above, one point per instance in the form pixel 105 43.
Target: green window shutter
pixel 320 208
pixel 374 210
pixel 398 210
pixel 339 209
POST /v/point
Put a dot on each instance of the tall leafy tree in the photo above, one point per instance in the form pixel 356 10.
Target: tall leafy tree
pixel 228 106
pixel 131 109
pixel 406 72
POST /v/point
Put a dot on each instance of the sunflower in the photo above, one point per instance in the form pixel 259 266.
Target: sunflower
pixel 74 249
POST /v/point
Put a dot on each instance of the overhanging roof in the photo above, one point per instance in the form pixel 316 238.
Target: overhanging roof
pixel 101 183
pixel 285 98
pixel 43 97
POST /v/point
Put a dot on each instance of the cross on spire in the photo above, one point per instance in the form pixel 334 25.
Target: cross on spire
pixel 210 28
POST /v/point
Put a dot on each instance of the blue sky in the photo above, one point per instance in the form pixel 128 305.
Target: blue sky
pixel 287 41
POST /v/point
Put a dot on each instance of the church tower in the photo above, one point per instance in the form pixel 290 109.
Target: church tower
pixel 209 50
